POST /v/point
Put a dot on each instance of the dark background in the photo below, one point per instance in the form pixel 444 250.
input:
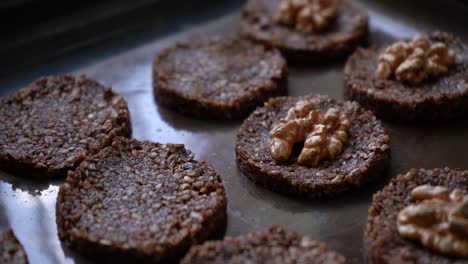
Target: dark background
pixel 33 29
pixel 54 25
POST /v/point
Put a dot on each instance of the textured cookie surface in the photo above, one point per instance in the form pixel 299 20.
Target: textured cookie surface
pixel 445 97
pixel 48 127
pixel 365 156
pixel 347 31
pixel 381 239
pixel 140 201
pixel 11 251
pixel 218 77
pixel 272 246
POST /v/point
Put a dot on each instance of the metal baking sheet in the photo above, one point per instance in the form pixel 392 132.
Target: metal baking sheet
pixel 28 206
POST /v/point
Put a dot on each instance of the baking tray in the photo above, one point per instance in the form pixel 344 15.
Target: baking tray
pixel 124 61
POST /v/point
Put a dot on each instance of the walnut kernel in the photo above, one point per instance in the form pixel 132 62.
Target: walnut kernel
pixel 439 220
pixel 307 15
pixel 323 134
pixel 415 61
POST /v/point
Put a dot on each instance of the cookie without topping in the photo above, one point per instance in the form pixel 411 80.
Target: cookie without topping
pixel 437 98
pixel 348 30
pixel 218 77
pixel 49 127
pixel 383 243
pixel 365 155
pixel 11 250
pixel 274 245
pixel 140 201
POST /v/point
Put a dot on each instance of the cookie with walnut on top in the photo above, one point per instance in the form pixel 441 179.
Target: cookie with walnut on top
pixel 312 146
pixel 306 30
pixel 421 79
pixel 420 217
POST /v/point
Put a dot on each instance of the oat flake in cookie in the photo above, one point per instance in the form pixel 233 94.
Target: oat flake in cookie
pixel 422 79
pixel 223 77
pixel 306 30
pixel 420 217
pixel 140 201
pixel 11 251
pixel 48 127
pixel 361 155
pixel 274 246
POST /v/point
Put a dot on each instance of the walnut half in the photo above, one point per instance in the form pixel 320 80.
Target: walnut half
pixel 439 219
pixel 323 134
pixel 414 61
pixel 307 15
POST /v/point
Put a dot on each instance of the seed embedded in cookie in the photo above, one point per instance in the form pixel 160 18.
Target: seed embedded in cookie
pixel 356 152
pixel 438 219
pixel 140 201
pixel 49 127
pixel 11 250
pixel 274 245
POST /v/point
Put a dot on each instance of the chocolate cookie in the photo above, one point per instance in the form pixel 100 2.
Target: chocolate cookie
pixel 342 36
pixel 140 201
pixel 11 251
pixel 444 97
pixel 382 241
pixel 218 77
pixel 274 245
pixel 48 127
pixel 364 157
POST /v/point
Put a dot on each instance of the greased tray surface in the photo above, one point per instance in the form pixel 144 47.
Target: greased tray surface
pixel 28 206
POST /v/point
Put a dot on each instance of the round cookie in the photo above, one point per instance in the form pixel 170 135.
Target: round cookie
pixel 140 201
pixel 365 155
pixel 274 245
pixel 218 77
pixel 441 98
pixel 382 242
pixel 346 32
pixel 48 127
pixel 11 251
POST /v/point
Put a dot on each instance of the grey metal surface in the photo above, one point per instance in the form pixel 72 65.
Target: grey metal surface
pixel 28 206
